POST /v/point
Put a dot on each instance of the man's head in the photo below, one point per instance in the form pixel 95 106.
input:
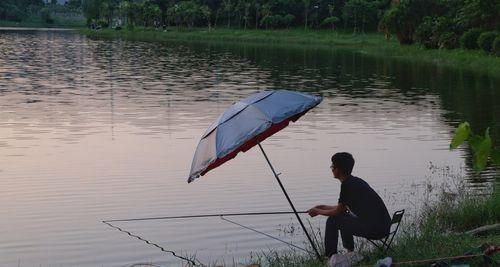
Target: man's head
pixel 342 164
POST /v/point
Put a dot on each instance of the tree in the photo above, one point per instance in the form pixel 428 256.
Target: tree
pixel 150 13
pixel 360 12
pixel 331 19
pixel 403 18
pixel 266 14
pixel 307 5
pixel 256 5
pixel 186 13
pixel 227 6
pixel 246 16
pixel 45 15
pixel 207 14
pixel 479 13
pixel 91 10
pixel 74 4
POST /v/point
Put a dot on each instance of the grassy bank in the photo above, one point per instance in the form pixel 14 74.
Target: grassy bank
pixel 438 231
pixel 370 44
pixel 37 22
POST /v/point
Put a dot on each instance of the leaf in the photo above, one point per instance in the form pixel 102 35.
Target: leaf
pixel 475 141
pixel 495 156
pixel 461 134
pixel 483 152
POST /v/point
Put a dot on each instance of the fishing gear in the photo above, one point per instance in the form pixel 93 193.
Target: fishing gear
pixel 153 244
pixel 221 216
pixel 262 233
pixel 204 216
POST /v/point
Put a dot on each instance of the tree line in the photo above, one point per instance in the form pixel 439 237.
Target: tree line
pixel 447 24
pixel 433 23
pixel 359 15
pixel 24 10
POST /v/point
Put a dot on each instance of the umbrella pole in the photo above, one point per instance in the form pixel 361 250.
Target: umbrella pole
pixel 291 204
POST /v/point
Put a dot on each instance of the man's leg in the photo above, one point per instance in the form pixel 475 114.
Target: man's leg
pixel 333 225
pixel 348 226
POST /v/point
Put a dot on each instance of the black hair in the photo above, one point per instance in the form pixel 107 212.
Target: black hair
pixel 344 162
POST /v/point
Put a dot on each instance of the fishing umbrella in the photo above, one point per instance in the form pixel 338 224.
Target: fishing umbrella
pixel 247 123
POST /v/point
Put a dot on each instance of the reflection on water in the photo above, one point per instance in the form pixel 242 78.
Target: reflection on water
pixel 94 130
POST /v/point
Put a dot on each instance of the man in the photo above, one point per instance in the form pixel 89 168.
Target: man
pixel 360 210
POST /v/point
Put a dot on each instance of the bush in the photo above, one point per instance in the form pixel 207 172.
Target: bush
pixel 436 32
pixel 102 23
pixel 448 40
pixel 496 46
pixel 424 33
pixel 403 19
pixel 485 40
pixel 469 39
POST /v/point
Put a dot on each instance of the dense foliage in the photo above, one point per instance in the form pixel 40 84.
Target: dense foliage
pixel 433 23
pixel 469 38
pixel 442 23
pixel 16 10
pixel 26 10
pixel 359 15
pixel 485 40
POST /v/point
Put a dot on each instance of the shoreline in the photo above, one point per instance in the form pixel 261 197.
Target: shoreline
pixel 371 44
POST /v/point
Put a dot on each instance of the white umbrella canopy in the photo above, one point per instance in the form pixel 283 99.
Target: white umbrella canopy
pixel 247 123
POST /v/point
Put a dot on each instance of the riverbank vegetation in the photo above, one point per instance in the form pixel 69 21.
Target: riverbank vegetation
pixel 435 24
pixel 37 13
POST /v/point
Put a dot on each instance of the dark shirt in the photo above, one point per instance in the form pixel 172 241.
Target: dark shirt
pixel 364 202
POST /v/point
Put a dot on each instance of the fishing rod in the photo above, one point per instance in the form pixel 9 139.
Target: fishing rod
pixel 203 216
pixel 221 216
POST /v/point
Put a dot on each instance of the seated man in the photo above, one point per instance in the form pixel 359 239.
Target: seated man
pixel 360 211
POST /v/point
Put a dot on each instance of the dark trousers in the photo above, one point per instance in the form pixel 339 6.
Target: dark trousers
pixel 348 226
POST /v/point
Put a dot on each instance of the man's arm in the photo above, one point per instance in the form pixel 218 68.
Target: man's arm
pixel 325 207
pixel 326 210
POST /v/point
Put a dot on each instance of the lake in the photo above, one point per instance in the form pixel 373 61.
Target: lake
pixel 93 130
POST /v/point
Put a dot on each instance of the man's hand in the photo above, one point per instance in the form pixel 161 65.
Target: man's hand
pixel 326 210
pixel 313 212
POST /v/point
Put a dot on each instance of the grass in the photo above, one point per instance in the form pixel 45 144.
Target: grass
pixel 36 22
pixel 439 230
pixel 436 232
pixel 370 44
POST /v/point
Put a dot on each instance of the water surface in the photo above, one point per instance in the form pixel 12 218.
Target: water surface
pixel 94 130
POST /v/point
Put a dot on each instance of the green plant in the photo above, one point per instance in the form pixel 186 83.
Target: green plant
pixel 485 40
pixel 404 18
pixel 448 40
pixel 481 146
pixel 45 15
pixel 425 32
pixel 102 23
pixel 436 32
pixel 469 38
pixel 496 46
